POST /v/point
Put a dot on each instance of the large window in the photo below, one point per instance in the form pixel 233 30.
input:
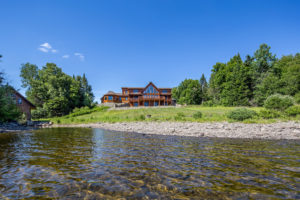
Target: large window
pixel 126 98
pixel 151 90
pixel 120 98
pixel 155 103
pixel 165 91
pixel 135 91
pixel 135 104
pixel 146 103
pixel 110 98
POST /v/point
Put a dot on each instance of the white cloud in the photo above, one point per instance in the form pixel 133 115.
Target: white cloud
pixel 80 56
pixel 66 56
pixel 46 45
pixel 43 49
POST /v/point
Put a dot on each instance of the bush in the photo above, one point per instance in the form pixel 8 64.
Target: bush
pixel 278 102
pixel 269 114
pixel 208 103
pixel 297 98
pixel 197 115
pixel 293 110
pixel 240 114
pixel 142 117
pixel 39 113
pixel 179 116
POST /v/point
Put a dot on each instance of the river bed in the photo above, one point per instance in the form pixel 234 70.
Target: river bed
pixel 92 163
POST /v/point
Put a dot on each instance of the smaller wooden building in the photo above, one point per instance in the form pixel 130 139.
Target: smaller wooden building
pixel 23 104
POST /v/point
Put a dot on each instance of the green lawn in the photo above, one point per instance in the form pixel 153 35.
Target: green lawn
pixel 209 114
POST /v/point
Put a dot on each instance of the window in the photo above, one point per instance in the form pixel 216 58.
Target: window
pixel 126 92
pixel 126 98
pixel 19 101
pixel 120 98
pixel 150 89
pixel 155 103
pixel 110 98
pixel 105 98
pixel 135 104
pixel 146 103
pixel 135 91
pixel 13 96
pixel 165 91
pixel 135 97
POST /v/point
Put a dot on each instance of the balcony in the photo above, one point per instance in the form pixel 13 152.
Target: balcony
pixel 149 97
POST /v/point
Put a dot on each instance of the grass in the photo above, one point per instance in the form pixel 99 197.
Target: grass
pixel 209 114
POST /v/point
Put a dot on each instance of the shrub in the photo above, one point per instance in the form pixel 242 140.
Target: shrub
pixel 197 115
pixel 278 102
pixel 269 114
pixel 293 110
pixel 208 103
pixel 240 114
pixel 142 117
pixel 179 116
pixel 297 98
pixel 39 113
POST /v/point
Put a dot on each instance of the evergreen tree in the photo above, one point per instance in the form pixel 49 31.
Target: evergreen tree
pixel 204 89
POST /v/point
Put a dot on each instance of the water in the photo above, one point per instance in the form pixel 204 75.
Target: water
pixel 69 163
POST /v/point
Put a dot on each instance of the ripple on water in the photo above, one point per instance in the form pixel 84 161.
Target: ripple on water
pixel 77 163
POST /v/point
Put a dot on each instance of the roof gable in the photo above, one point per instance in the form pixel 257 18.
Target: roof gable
pixel 154 88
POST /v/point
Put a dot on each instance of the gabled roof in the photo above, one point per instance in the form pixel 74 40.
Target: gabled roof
pixel 19 94
pixel 150 83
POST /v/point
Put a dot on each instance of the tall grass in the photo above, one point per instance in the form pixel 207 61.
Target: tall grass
pixel 183 114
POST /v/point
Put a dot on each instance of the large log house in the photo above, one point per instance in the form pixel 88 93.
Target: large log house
pixel 138 96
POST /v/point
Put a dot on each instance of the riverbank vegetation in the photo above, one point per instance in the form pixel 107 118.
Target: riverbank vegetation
pixel 191 113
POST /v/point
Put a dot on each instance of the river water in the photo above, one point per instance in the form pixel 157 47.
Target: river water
pixel 78 163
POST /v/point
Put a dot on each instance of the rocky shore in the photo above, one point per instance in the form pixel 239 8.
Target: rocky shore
pixel 16 127
pixel 280 130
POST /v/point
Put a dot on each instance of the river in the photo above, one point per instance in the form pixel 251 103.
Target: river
pixel 78 163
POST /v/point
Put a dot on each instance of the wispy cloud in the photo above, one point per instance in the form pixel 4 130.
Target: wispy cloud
pixel 66 56
pixel 43 49
pixel 46 47
pixel 80 56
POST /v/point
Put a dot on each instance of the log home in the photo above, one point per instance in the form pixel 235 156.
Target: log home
pixel 22 103
pixel 140 96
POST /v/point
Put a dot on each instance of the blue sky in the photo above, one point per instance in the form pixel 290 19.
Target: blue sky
pixel 129 43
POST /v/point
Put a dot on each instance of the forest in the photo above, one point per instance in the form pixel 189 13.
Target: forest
pixel 247 82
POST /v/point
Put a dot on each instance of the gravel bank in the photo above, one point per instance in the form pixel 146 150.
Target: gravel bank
pixel 280 130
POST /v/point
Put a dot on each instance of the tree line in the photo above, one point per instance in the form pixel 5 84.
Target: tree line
pixel 244 83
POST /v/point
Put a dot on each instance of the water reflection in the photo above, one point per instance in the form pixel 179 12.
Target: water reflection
pixel 69 163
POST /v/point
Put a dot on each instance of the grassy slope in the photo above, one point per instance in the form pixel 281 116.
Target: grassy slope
pixel 210 114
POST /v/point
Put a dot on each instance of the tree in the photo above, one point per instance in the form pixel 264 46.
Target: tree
pixel 188 92
pixel 53 91
pixel 8 108
pixel 204 89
